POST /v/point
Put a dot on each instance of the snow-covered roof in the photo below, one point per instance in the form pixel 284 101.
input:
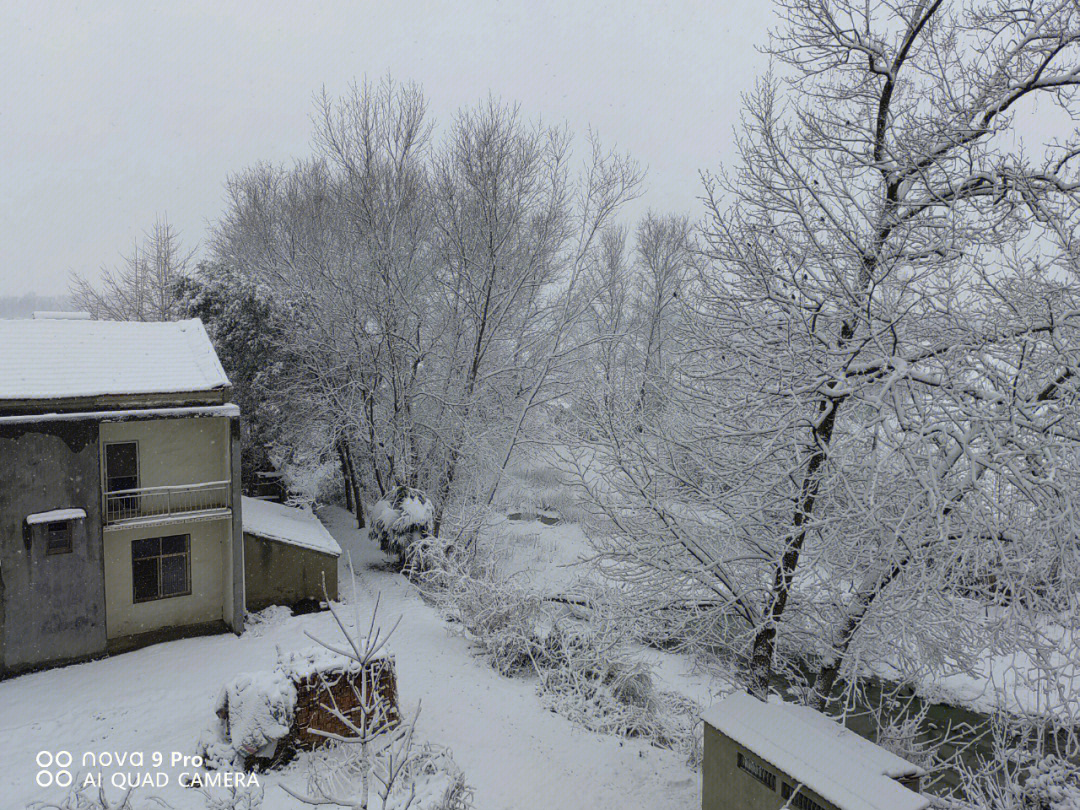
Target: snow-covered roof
pixel 831 760
pixel 229 410
pixel 60 315
pixel 287 524
pixel 55 516
pixel 62 359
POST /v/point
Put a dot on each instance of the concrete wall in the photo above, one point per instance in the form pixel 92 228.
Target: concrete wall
pixel 53 606
pixel 280 574
pixel 211 550
pixel 176 451
pixel 172 452
pixel 725 786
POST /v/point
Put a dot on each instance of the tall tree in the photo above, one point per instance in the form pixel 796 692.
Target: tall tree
pixel 143 287
pixel 247 329
pixel 876 388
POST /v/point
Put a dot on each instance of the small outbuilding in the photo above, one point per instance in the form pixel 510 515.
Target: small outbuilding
pixel 765 756
pixel 288 554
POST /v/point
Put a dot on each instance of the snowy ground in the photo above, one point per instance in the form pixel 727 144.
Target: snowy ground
pixel 514 753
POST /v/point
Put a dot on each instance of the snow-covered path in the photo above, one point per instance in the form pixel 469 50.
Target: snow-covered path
pixel 513 752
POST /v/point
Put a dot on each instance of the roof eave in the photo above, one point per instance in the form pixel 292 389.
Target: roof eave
pixel 219 395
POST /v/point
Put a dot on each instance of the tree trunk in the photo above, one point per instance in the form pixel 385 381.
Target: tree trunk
pixel 357 500
pixel 764 647
pixel 347 480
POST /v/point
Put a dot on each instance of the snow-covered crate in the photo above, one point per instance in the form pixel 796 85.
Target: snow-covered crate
pixel 327 684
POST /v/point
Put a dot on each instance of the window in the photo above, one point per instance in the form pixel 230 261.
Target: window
pixel 757 770
pixel 160 567
pixel 58 537
pixel 121 466
pixel 801 801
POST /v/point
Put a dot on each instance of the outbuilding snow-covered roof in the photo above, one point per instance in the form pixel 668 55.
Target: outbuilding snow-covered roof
pixel 64 359
pixel 287 524
pixel 831 760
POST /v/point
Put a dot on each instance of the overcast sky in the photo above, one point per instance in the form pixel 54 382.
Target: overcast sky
pixel 114 112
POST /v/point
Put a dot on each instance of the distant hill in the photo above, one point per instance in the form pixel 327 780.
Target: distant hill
pixel 23 306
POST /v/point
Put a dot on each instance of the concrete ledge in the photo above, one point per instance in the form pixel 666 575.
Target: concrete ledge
pixel 127 643
pixel 29 669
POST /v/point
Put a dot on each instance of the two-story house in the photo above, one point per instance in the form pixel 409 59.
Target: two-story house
pixel 120 499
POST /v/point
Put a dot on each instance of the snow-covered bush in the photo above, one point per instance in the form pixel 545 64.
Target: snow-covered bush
pixel 259 707
pixel 441 783
pixel 1017 779
pixel 401 521
pixel 404 775
pixel 85 797
pixel 587 669
pixel 236 798
pixel 496 613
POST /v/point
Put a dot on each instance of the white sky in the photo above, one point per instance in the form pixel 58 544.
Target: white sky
pixel 111 113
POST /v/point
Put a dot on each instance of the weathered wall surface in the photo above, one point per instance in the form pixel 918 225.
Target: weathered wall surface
pixel 276 573
pixel 724 786
pixel 176 451
pixel 211 550
pixel 53 605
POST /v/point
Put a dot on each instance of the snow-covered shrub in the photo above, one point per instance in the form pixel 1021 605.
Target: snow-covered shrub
pixel 258 708
pixel 403 774
pixel 439 782
pixel 401 521
pixel 497 614
pixel 1016 779
pixel 900 728
pixel 86 797
pixel 592 677
pixel 587 669
pixel 236 798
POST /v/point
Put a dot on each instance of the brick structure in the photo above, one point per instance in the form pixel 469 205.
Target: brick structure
pixel 346 689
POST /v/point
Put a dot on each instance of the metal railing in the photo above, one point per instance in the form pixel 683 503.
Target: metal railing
pixel 152 502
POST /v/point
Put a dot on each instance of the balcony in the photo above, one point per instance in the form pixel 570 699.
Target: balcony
pixel 184 502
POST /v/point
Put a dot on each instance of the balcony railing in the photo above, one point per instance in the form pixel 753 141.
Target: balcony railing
pixel 148 503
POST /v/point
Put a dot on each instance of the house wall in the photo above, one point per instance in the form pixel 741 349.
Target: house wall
pixel 281 574
pixel 725 786
pixel 176 451
pixel 53 606
pixel 211 551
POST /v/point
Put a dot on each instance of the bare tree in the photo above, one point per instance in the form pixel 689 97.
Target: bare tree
pixel 144 287
pixel 664 266
pixel 876 395
pixel 516 230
